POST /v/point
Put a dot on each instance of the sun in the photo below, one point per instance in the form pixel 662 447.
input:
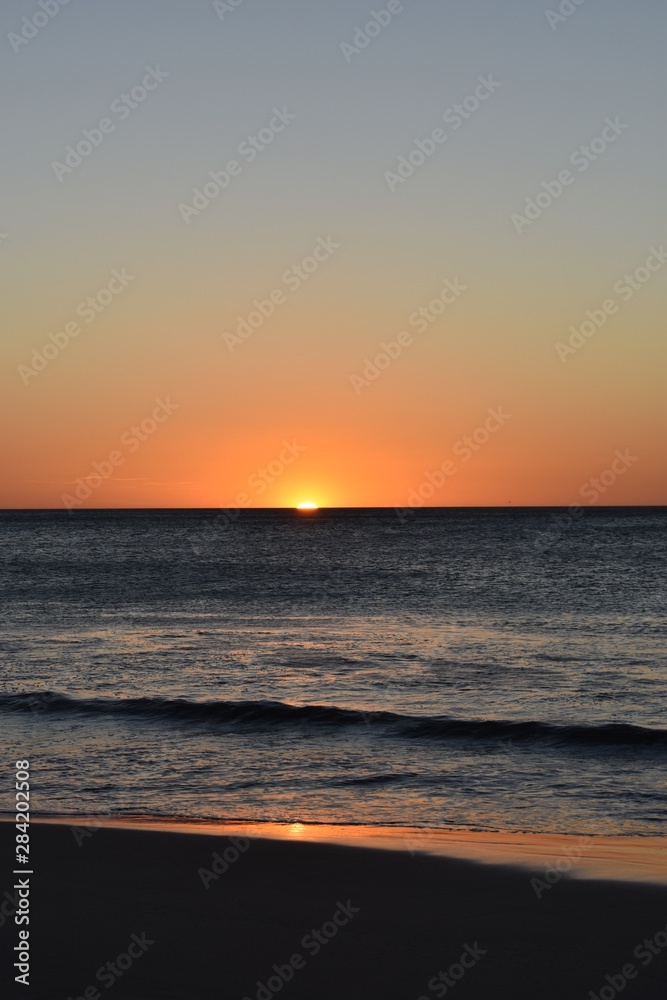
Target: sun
pixel 307 505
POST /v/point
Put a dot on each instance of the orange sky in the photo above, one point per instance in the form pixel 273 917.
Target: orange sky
pixel 371 325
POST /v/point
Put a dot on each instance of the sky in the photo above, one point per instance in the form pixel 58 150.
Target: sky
pixel 255 253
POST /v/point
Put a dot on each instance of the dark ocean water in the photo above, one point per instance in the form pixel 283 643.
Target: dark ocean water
pixel 489 669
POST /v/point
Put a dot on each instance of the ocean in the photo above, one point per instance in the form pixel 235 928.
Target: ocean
pixel 479 669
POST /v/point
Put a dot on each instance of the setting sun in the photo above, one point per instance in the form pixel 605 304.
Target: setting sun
pixel 307 505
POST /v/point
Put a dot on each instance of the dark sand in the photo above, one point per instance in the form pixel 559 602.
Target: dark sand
pixel 416 915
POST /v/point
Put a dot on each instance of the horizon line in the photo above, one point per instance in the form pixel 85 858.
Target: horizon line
pixel 388 507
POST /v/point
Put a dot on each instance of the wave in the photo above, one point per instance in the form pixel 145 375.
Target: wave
pixel 273 714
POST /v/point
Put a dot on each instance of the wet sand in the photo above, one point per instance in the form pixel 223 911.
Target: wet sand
pixel 162 913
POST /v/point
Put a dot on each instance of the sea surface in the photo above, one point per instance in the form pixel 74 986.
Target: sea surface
pixel 460 668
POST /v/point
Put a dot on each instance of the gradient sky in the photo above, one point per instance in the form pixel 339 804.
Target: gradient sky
pixel 323 177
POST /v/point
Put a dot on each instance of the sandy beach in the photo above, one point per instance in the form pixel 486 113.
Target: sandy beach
pixel 159 914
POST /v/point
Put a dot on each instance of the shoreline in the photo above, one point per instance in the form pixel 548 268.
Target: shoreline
pixel 589 856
